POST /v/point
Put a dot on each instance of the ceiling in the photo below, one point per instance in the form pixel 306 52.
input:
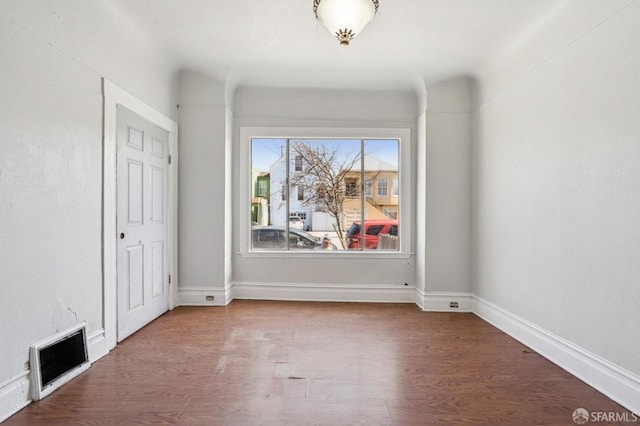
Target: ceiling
pixel 280 43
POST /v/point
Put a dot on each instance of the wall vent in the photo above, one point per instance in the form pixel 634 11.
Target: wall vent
pixel 58 359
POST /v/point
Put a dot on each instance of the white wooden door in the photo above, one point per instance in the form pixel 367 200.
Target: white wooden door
pixel 142 259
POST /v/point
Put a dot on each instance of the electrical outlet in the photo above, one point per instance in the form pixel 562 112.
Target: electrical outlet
pixel 210 298
pixel 453 304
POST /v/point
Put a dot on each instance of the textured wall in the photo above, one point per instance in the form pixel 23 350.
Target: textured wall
pixel 202 218
pixel 557 183
pixel 52 66
pixel 50 195
pixel 448 187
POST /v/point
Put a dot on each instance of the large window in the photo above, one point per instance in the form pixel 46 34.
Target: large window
pixel 328 182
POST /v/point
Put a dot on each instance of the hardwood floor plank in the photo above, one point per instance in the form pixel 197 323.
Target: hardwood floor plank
pixel 274 363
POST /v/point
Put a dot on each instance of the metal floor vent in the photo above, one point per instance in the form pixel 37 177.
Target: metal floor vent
pixel 58 359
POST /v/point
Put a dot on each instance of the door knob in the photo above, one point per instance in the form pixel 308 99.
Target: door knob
pixel 122 235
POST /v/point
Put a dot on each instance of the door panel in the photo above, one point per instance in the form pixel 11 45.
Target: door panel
pixel 142 163
pixel 157 147
pixel 135 276
pixel 157 195
pixel 135 138
pixel 157 268
pixel 135 192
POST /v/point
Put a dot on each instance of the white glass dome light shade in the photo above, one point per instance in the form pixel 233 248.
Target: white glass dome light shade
pixel 345 18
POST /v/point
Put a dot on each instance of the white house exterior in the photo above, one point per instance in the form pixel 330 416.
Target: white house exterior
pixel 278 173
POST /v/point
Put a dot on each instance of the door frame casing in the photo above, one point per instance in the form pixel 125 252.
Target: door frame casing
pixel 114 96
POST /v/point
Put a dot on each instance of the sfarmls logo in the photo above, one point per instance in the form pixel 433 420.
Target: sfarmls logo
pixel 581 416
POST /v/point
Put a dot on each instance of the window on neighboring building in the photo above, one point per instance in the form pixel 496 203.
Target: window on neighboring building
pixel 329 195
pixel 382 187
pixel 396 190
pixel 351 187
pixel 262 188
pixel 301 215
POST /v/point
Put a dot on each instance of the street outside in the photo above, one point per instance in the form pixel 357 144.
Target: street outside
pixel 332 235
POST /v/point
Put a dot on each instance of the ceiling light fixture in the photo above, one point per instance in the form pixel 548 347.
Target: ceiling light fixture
pixel 345 18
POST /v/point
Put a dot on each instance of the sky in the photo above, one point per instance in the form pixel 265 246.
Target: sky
pixel 265 152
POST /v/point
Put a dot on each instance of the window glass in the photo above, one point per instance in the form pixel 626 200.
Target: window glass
pixel 328 184
pixel 262 188
pixel 374 229
pixel 390 212
pixel 267 239
pixel 351 188
pixel 367 187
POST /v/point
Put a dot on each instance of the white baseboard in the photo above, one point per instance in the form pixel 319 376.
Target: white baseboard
pixel 444 302
pixel 15 393
pixel 97 345
pixel 324 292
pixel 616 383
pixel 204 296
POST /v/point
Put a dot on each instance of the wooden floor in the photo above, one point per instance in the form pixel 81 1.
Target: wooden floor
pixel 295 363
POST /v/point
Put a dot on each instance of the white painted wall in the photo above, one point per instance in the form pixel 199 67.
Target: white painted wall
pixel 51 171
pixel 50 195
pixel 448 187
pixel 203 221
pixel 421 198
pixel 204 259
pixel 557 182
pixel 228 198
pixel 258 107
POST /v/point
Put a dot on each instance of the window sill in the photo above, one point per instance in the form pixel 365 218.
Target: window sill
pixel 326 254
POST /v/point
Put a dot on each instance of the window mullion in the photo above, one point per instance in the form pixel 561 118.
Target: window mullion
pixel 288 196
pixel 362 200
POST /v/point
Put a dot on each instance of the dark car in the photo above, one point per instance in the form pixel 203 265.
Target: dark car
pixel 372 228
pixel 273 237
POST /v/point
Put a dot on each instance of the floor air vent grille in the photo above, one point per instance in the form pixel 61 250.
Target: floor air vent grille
pixel 58 359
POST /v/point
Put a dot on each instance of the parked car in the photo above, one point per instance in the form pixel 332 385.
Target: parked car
pixel 296 222
pixel 371 230
pixel 273 237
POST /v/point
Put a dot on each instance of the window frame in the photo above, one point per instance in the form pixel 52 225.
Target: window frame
pixel 402 135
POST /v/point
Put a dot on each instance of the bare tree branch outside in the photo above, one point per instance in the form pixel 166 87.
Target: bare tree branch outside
pixel 325 185
pixel 323 178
